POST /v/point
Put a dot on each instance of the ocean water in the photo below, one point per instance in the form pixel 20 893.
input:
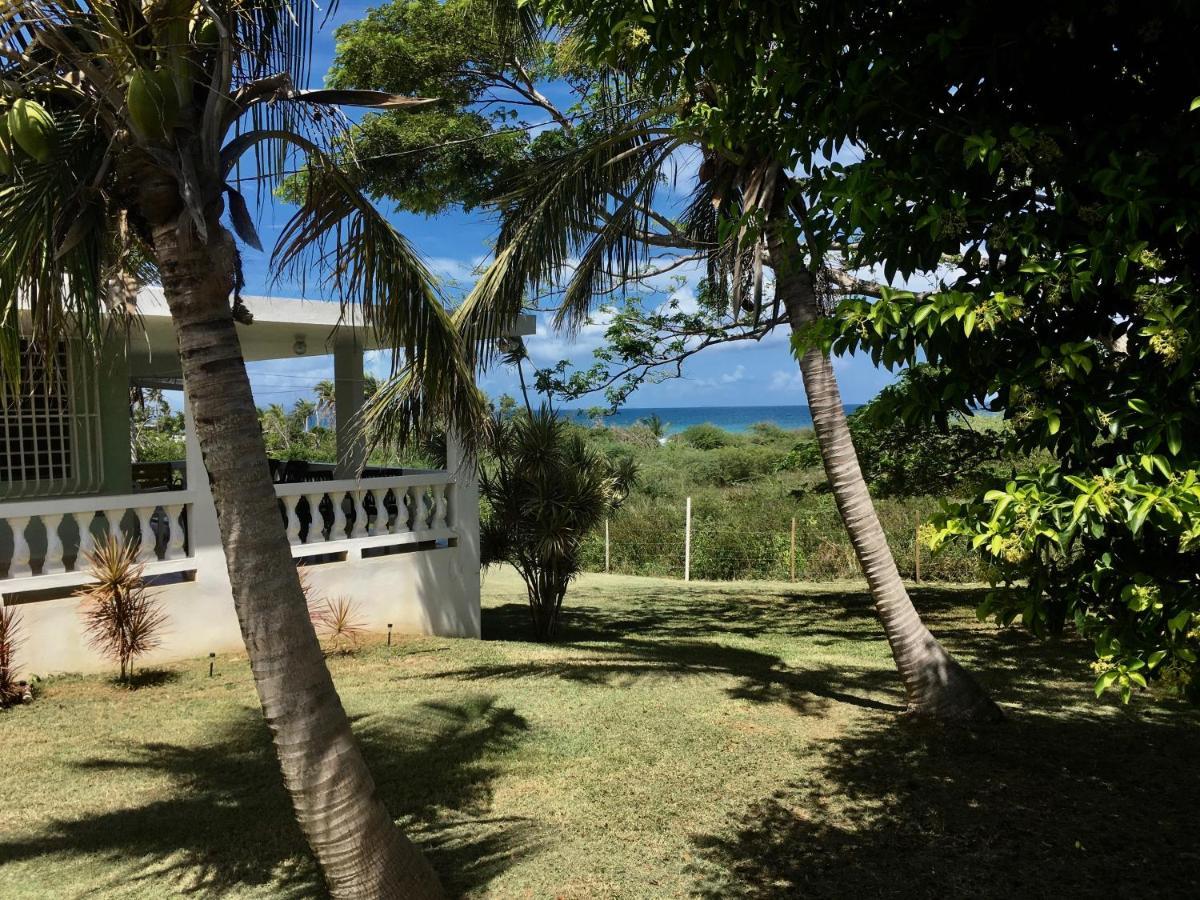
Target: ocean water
pixel 731 418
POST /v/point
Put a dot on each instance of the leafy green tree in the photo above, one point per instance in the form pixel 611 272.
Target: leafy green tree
pixel 127 124
pixel 593 220
pixel 482 63
pixel 1038 168
pixel 155 433
pixel 919 457
pixel 545 491
pixel 586 215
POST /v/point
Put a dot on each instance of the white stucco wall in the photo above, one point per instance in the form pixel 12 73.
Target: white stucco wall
pixel 433 590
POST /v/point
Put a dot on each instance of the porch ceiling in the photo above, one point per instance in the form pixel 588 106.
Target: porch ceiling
pixel 284 328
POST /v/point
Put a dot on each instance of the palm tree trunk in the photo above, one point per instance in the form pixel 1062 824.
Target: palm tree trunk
pixel 360 851
pixel 937 687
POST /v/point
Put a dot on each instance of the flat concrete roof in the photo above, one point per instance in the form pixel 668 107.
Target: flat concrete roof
pixel 283 328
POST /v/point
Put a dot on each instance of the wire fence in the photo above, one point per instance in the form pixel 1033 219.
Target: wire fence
pixel 799 549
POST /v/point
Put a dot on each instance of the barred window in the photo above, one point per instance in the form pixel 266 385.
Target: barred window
pixel 44 423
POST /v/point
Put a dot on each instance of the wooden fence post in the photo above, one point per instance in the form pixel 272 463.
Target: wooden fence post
pixel 687 542
pixel 607 555
pixel 917 552
pixel 792 558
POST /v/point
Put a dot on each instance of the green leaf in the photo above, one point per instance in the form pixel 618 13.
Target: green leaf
pixel 1139 514
pixel 1180 621
pixel 1105 681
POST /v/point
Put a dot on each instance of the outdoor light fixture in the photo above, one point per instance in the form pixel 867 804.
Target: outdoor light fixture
pixel 389 634
pixel 301 346
pixel 211 662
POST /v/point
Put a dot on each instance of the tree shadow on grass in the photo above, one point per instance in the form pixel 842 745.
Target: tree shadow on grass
pixel 1088 805
pixel 228 823
pixel 657 633
pixel 757 676
pixel 152 678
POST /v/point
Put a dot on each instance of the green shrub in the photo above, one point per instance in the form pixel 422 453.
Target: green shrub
pixel 545 489
pixel 736 465
pixel 706 437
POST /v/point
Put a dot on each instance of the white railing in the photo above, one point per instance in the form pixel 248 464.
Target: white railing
pixel 49 537
pixel 369 511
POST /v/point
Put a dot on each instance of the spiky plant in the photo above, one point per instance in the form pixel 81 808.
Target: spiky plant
pixel 545 491
pixel 10 640
pixel 338 624
pixel 121 617
pixel 134 124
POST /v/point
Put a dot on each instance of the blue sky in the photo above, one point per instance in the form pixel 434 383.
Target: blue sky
pixel 762 374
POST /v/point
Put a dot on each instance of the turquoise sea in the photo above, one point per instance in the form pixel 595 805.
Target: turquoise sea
pixel 731 418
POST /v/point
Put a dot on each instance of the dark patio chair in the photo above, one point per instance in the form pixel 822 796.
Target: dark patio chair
pixel 295 471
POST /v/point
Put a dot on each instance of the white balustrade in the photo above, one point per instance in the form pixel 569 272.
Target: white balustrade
pixel 148 540
pixel 175 546
pixel 66 528
pixel 21 555
pixel 290 505
pixel 439 506
pixel 64 531
pixel 403 511
pixel 360 510
pixel 424 508
pixel 338 531
pixel 114 517
pixel 316 523
pixel 54 561
pixel 360 528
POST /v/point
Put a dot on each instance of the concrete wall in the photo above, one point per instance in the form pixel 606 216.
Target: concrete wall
pixel 419 591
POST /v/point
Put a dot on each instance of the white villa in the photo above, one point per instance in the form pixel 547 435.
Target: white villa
pixel 403 544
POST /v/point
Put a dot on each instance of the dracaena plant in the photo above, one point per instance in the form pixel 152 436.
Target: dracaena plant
pixel 130 125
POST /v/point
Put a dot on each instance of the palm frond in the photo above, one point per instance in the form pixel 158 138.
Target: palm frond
pixel 557 209
pixel 338 231
pixel 64 260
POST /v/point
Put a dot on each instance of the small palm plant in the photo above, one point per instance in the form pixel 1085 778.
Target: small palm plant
pixel 121 617
pixel 545 491
pixel 337 624
pixel 655 425
pixel 10 637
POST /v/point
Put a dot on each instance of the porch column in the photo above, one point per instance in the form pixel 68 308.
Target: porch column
pixel 348 388
pixel 112 386
pixel 464 511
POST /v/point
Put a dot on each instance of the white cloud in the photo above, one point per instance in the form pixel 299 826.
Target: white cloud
pixel 786 381
pixel 733 377
pixel 549 346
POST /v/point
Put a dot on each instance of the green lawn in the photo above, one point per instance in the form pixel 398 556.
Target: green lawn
pixel 721 740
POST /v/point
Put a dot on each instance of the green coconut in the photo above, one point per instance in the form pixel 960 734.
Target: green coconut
pixel 32 128
pixel 153 103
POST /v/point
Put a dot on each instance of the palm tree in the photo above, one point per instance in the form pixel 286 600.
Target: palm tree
pixel 128 123
pixel 326 394
pixel 585 223
pixel 655 425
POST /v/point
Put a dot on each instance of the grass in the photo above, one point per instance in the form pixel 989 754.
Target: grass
pixel 718 740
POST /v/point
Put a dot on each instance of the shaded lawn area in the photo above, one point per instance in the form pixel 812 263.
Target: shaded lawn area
pixel 720 740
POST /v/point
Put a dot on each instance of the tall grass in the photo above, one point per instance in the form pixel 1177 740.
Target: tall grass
pixel 744 496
